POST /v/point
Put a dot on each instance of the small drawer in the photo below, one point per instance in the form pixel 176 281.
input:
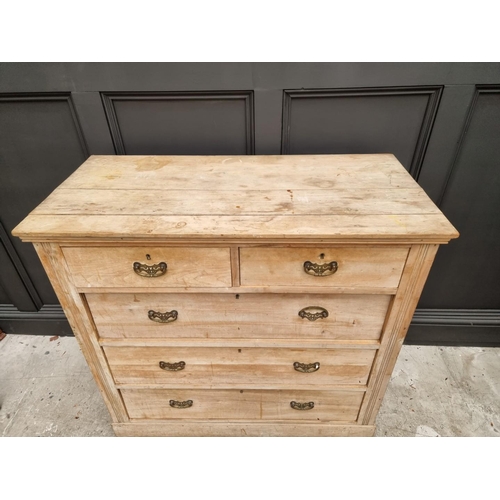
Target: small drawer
pixel 149 267
pixel 243 315
pixel 242 404
pixel 360 267
pixel 229 366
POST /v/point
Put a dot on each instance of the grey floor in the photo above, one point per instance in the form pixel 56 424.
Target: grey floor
pixel 46 389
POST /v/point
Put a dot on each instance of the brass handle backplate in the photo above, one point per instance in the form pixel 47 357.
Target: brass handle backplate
pixel 152 271
pixel 320 269
pixel 172 367
pixel 302 367
pixel 302 406
pixel 181 404
pixel 313 313
pixel 166 317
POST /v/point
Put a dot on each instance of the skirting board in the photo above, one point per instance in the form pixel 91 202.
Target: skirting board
pixel 455 327
pixel 49 320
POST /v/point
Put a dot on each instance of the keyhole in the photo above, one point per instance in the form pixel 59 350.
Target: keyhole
pixel 237 296
pixel 148 257
pixel 321 255
pixel 239 350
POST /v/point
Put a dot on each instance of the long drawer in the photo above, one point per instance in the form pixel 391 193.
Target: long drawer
pixel 149 267
pixel 358 267
pixel 242 404
pixel 211 366
pixel 186 315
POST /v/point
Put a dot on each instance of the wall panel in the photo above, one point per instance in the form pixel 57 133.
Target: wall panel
pixel 181 124
pixel 359 121
pixel 40 145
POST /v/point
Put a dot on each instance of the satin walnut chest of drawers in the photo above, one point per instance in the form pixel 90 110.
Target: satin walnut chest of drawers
pixel 239 296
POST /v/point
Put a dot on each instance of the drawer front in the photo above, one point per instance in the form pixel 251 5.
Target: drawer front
pixel 116 266
pixel 242 404
pixel 187 315
pixel 199 366
pixel 379 267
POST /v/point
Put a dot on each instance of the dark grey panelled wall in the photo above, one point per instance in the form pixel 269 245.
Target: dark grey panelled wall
pixel 361 121
pixel 156 124
pixel 442 121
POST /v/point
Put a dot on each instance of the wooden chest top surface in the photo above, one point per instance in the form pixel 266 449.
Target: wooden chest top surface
pixel 271 198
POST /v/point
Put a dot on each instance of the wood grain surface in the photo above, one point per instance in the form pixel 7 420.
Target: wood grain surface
pixel 235 233
pixel 275 197
pixel 247 366
pixel 363 267
pixel 113 266
pixel 240 315
pixel 215 428
pixel 243 404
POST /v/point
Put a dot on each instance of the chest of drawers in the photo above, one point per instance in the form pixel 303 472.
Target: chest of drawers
pixel 239 296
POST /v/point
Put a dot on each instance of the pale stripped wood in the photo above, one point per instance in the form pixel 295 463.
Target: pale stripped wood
pixel 243 404
pixel 220 242
pixel 257 342
pixel 252 202
pixel 398 321
pixel 213 428
pixel 346 290
pixel 221 173
pixel 361 266
pixel 364 208
pixel 186 267
pixel 323 196
pixel 81 324
pixel 235 266
pixel 215 366
pixel 260 386
pixel 333 228
pixel 249 316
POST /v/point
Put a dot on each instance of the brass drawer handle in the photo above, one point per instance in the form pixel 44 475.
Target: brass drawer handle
pixel 152 271
pixel 313 313
pixel 166 317
pixel 303 368
pixel 172 367
pixel 302 406
pixel 320 269
pixel 181 404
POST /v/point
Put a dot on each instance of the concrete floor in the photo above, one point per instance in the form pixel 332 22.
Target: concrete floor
pixel 46 389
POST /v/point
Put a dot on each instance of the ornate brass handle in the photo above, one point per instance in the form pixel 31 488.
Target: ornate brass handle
pixel 152 271
pixel 180 404
pixel 313 313
pixel 172 367
pixel 166 317
pixel 320 269
pixel 302 406
pixel 302 367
